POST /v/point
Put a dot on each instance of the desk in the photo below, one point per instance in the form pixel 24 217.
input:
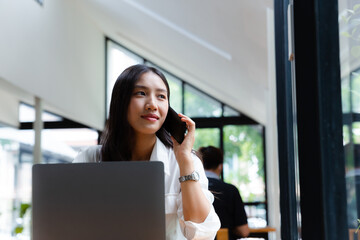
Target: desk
pixel 261 232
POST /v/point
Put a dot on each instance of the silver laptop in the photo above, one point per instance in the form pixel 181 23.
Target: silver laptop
pixel 95 201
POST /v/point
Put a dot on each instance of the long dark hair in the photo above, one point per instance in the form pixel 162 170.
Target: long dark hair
pixel 118 138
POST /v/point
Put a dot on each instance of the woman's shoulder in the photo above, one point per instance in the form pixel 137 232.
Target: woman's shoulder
pixel 89 154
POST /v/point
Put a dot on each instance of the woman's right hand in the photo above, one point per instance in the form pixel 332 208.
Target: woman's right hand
pixel 183 151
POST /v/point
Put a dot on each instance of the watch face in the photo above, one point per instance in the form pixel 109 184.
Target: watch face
pixel 196 176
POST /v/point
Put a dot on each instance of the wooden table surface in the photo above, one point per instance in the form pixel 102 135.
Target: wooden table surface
pixel 262 230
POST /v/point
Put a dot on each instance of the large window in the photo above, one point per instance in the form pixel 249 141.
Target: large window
pixel 217 124
pixel 60 144
pixel 349 17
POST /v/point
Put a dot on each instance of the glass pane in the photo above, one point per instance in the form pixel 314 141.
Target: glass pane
pixel 23 190
pixel 229 112
pixel 349 28
pixel 62 145
pixel 207 137
pixel 175 92
pixel 118 59
pixel 346 135
pixel 15 184
pixel 175 85
pixel 244 161
pixel 355 91
pixel 256 215
pixel 352 158
pixel 16 160
pixel 356 132
pixel 198 104
pixel 27 114
pixel 345 94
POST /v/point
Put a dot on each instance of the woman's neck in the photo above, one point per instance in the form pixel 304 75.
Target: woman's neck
pixel 143 147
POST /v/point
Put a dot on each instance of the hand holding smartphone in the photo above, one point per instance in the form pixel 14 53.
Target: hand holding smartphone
pixel 175 126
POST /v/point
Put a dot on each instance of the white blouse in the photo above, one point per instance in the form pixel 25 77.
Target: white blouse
pixel 176 227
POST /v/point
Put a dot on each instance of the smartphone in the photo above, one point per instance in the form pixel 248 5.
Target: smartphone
pixel 175 126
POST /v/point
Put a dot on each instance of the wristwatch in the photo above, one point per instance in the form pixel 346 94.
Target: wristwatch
pixel 194 176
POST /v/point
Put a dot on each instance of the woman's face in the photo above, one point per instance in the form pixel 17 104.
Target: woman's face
pixel 148 104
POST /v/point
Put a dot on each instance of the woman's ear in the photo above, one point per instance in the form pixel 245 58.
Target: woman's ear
pixel 219 169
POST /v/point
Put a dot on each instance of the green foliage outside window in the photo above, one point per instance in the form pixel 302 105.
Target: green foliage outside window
pixel 352 32
pixel 23 209
pixel 345 95
pixel 355 92
pixel 244 161
pixel 207 137
pixel 346 137
pixel 356 132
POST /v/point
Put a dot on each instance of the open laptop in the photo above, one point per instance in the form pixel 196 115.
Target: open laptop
pixel 93 201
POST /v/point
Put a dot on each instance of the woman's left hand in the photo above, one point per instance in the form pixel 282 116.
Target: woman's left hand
pixel 183 151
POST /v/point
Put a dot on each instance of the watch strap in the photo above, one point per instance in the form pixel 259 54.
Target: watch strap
pixel 194 176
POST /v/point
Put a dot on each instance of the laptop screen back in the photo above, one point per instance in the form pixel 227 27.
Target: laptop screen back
pixel 92 201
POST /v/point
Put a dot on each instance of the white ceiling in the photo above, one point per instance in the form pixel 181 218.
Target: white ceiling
pixel 218 46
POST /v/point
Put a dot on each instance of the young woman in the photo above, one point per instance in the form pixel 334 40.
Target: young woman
pixel 134 131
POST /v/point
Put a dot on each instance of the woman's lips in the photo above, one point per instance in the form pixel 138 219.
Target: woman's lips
pixel 150 117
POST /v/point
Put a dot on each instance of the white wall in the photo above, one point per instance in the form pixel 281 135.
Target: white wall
pixel 56 53
pixel 9 113
pixel 272 156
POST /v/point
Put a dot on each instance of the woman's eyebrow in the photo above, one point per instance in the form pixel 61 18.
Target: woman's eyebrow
pixel 145 87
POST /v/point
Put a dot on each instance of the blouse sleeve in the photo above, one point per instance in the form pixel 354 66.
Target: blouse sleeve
pixel 90 154
pixel 200 231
